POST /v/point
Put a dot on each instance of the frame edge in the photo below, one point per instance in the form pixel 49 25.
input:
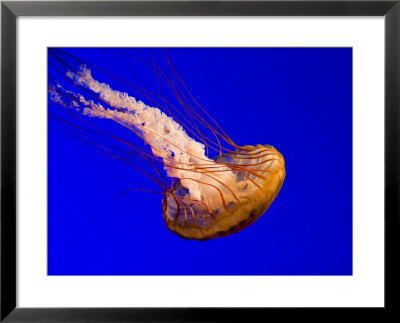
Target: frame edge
pixel 203 8
pixel 392 157
pixel 8 162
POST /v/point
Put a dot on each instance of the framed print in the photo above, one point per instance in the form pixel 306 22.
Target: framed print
pixel 198 161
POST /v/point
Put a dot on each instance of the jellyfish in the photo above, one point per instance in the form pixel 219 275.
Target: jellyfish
pixel 210 186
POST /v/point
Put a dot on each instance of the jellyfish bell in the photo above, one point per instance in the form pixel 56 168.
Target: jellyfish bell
pixel 251 198
pixel 206 197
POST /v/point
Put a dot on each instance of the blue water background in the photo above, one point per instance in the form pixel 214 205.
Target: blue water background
pixel 297 99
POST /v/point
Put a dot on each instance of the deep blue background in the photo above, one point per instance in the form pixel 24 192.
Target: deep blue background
pixel 296 99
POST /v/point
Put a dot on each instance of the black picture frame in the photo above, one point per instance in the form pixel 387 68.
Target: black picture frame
pixel 10 10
